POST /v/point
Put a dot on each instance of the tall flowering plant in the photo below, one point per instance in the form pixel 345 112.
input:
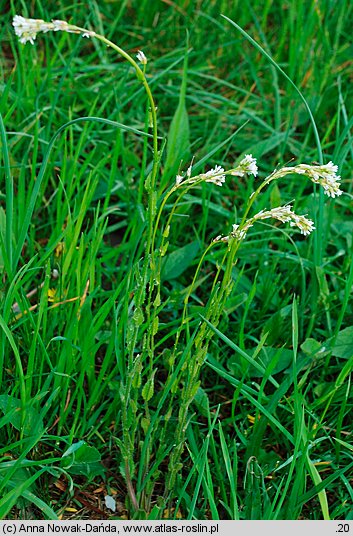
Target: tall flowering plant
pixel 146 413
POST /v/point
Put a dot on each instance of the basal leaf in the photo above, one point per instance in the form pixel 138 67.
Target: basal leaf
pixel 81 459
pixel 179 260
pixel 31 422
pixel 344 343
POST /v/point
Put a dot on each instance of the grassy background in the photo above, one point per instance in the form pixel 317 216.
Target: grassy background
pixel 255 450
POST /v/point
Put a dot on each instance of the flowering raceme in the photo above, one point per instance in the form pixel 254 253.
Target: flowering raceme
pixel 27 29
pixel 283 214
pixel 286 214
pixel 325 175
pixel 217 175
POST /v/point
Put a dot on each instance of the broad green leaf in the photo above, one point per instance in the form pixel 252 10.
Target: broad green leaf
pixel 32 422
pixel 73 448
pixel 311 347
pixel 179 260
pixel 344 343
pixel 201 402
pixel 81 459
pixel 148 388
pixel 324 389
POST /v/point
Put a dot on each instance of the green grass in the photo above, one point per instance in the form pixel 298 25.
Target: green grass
pixel 237 406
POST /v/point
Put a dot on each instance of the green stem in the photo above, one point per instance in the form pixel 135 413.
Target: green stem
pixel 9 199
pixel 152 181
pixel 141 76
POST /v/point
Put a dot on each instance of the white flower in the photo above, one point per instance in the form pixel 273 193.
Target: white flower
pixel 285 214
pixel 60 26
pixel 27 29
pixel 325 175
pixel 141 57
pixel 221 238
pixel 215 175
pixel 249 164
pixel 305 225
pixel 178 179
pixel 246 166
pixel 217 239
pixel 240 234
pixel 63 26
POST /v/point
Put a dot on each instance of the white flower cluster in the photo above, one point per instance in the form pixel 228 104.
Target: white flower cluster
pixel 247 166
pixel 325 175
pixel 283 214
pixel 237 233
pixel 27 29
pixel 216 176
